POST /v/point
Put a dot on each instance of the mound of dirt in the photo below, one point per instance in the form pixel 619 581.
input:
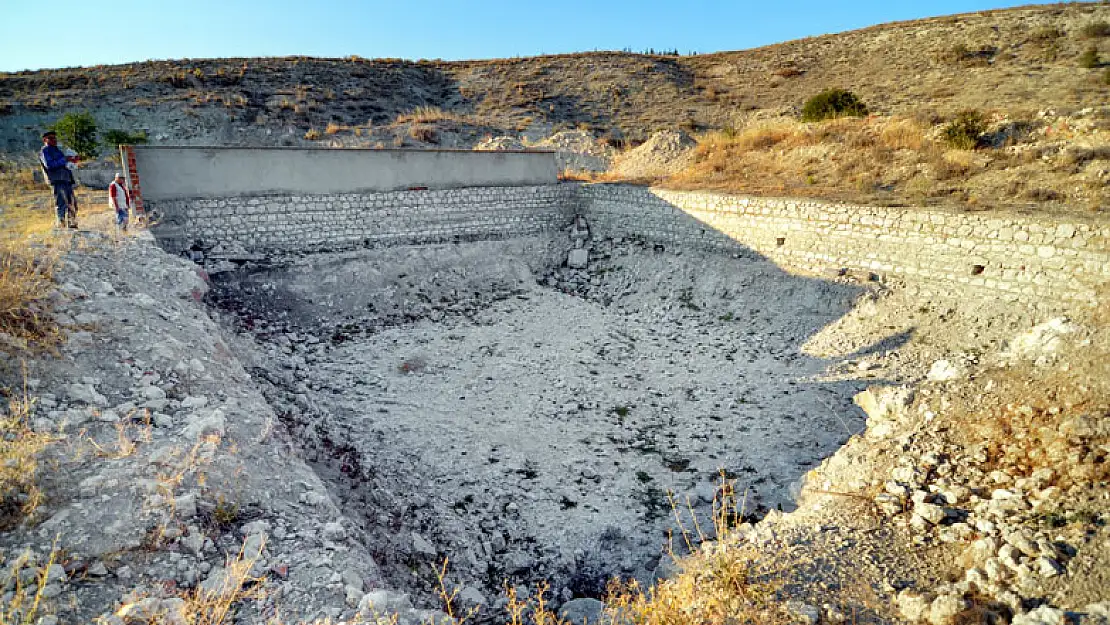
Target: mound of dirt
pixel 578 150
pixel 499 143
pixel 665 153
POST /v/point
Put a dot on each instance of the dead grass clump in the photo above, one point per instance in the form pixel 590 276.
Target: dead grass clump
pixel 424 133
pixel 21 605
pixel 902 134
pixel 26 284
pixel 427 114
pixel 213 605
pixel 717 585
pixel 20 446
pixel 530 610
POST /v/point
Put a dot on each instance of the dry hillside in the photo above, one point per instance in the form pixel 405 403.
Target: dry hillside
pixel 1024 59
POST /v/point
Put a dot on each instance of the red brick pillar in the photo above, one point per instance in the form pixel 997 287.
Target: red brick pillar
pixel 128 156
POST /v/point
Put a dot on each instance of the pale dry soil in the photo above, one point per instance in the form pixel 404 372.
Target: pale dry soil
pixel 534 433
pixel 522 419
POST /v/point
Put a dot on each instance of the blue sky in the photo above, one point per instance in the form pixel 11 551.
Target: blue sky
pixel 38 34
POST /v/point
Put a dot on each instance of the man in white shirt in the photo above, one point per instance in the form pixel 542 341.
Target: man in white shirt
pixel 119 198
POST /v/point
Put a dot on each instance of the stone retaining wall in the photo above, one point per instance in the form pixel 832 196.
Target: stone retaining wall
pixel 1029 258
pixel 1013 257
pixel 306 223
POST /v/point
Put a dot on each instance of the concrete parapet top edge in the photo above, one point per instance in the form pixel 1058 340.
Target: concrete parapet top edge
pixel 1101 220
pixel 291 148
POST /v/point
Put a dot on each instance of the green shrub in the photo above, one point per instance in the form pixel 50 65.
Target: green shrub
pixel 78 131
pixel 964 132
pixel 114 138
pixel 833 103
pixel 1089 59
pixel 1095 30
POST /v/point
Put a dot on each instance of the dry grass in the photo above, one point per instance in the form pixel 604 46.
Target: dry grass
pixel 719 584
pixel 26 274
pixel 26 284
pixel 888 160
pixel 429 114
pixel 20 447
pixel 22 606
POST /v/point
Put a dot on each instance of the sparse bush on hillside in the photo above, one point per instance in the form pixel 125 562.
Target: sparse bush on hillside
pixel 114 138
pixel 833 103
pixel 1095 30
pixel 1090 59
pixel 78 131
pixel 1046 34
pixel 964 132
pixel 960 54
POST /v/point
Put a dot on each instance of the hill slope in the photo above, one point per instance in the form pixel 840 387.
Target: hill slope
pixel 1017 59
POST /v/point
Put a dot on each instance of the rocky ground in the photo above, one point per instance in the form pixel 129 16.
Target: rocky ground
pixel 526 419
pixel 536 437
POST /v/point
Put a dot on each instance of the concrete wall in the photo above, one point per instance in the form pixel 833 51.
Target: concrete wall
pixel 1028 258
pixel 1013 257
pixel 186 172
pixel 308 222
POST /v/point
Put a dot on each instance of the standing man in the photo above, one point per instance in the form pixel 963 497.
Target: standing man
pixel 60 179
pixel 119 198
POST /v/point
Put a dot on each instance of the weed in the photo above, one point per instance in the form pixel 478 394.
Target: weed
pixel 530 610
pixel 312 134
pixel 225 513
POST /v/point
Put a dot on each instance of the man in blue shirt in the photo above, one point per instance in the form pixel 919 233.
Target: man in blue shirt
pixel 60 178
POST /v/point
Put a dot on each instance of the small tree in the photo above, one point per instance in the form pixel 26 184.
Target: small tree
pixel 1089 59
pixel 964 132
pixel 114 138
pixel 78 131
pixel 833 103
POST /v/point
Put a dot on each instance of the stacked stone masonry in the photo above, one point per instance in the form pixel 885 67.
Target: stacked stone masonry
pixel 1029 258
pixel 306 223
pixel 1012 257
